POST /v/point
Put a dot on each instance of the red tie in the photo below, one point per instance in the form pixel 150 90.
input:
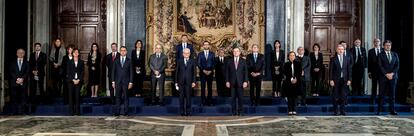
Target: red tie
pixel 37 56
pixel 113 57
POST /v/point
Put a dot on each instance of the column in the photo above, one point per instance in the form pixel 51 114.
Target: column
pixel 2 8
pixel 41 23
pixel 297 27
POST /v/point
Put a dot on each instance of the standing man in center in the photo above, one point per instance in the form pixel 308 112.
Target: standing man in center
pixel 360 63
pixel 122 80
pixel 206 66
pixel 255 63
pixel 157 63
pixel 340 78
pixel 236 79
pixel 185 80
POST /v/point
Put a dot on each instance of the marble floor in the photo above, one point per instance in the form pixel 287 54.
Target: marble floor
pixel 206 125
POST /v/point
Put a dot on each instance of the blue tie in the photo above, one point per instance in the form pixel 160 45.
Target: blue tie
pixel 123 61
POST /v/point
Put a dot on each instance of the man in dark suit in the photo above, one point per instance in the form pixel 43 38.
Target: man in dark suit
pixel 37 65
pixel 340 78
pixel 220 72
pixel 346 52
pixel 389 65
pixel 373 68
pixel 110 59
pixel 179 48
pixel 206 66
pixel 278 60
pixel 306 78
pixel 360 63
pixel 122 80
pixel 255 66
pixel 186 80
pixel 157 63
pixel 236 79
pixel 19 72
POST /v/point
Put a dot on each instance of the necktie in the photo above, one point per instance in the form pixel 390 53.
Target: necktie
pixel 184 45
pixel 376 51
pixel 122 61
pixel 236 63
pixel 389 57
pixel 20 65
pixel 221 59
pixel 357 54
pixel 158 56
pixel 255 58
pixel 185 62
pixel 37 55
pixel 113 56
pixel 206 53
pixel 340 63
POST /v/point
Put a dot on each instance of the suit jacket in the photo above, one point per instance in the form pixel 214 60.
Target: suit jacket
pixel 16 73
pixel 316 63
pixel 362 58
pixel 290 89
pixel 278 62
pixel 256 67
pixel 110 63
pixel 306 66
pixel 348 54
pixel 158 64
pixel 373 66
pixel 179 51
pixel 140 61
pixel 185 74
pixel 388 67
pixel 71 70
pixel 335 69
pixel 38 64
pixel 236 77
pixel 122 75
pixel 206 64
pixel 220 68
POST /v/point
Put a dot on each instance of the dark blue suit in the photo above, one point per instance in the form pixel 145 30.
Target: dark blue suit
pixel 236 77
pixel 186 75
pixel 18 92
pixel 341 88
pixel 122 76
pixel 179 51
pixel 256 66
pixel 206 63
pixel 386 85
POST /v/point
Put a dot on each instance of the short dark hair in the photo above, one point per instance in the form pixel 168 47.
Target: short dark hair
pixel 70 46
pixel 37 44
pixel 290 53
pixel 114 44
pixel 183 35
pixel 387 41
pixel 317 45
pixel 124 47
pixel 74 49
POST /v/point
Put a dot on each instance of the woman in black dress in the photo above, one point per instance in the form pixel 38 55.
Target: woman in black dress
pixel 278 59
pixel 94 68
pixel 74 76
pixel 317 69
pixel 138 62
pixel 292 71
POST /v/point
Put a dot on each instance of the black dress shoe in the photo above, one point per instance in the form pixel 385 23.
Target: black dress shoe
pixel 188 114
pixel 393 113
pixel 115 114
pixel 182 114
pixel 343 113
pixel 126 114
pixel 234 114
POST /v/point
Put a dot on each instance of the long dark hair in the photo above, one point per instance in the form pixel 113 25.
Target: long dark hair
pixel 97 48
pixel 142 44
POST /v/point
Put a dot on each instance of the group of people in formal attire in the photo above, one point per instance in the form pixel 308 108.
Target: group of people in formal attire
pixel 294 78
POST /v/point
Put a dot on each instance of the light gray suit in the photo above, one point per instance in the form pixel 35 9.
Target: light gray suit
pixel 157 64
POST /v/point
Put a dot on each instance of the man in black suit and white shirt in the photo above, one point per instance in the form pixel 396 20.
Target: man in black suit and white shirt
pixel 19 72
pixel 255 63
pixel 185 80
pixel 360 63
pixel 236 79
pixel 220 68
pixel 122 81
pixel 389 65
pixel 373 68
pixel 340 78
pixel 110 59
pixel 37 62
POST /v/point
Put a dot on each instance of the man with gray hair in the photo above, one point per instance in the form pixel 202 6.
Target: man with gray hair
pixel 157 63
pixel 306 78
pixel 185 78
